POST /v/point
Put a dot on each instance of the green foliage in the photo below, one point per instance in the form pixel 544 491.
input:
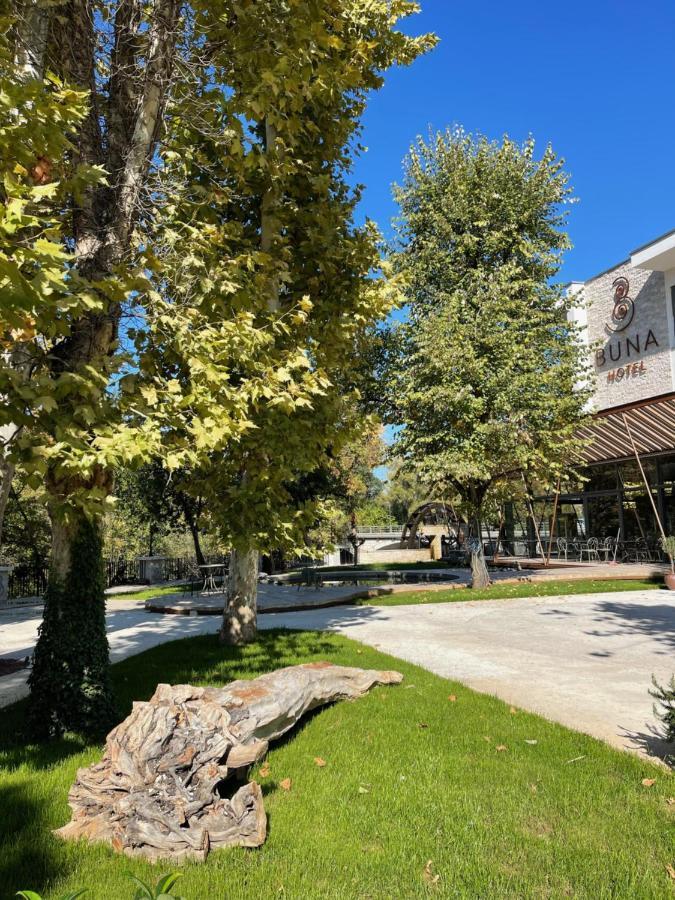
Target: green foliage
pixel 271 298
pixel 160 891
pixel 487 381
pixel 665 706
pixel 668 547
pixel 26 531
pixel 71 895
pixel 403 492
pixel 70 678
pixel 373 512
pixel 50 410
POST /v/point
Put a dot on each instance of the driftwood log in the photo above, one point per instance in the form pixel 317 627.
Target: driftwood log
pixel 170 781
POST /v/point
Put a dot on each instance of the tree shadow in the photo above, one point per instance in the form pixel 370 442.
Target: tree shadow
pixel 654 620
pixel 652 743
pixel 29 857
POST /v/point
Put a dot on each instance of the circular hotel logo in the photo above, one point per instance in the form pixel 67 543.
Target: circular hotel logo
pixel 624 307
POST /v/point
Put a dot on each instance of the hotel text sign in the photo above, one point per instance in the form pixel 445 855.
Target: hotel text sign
pixel 621 348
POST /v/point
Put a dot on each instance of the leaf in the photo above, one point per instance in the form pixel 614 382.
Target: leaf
pixel 500 748
pixel 452 698
pixel 285 784
pixel 513 711
pixel 648 782
pixel 364 789
pixel 166 882
pixel 428 874
pixel 670 870
pixel 143 892
pixel 531 742
pixel 320 762
pixel 422 724
pixel 265 770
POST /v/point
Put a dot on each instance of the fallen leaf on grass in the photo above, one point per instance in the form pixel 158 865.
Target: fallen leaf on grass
pixel 501 747
pixel 670 801
pixel 285 784
pixel 264 770
pixel 428 874
pixel 671 871
pixel 513 711
pixel 364 789
pixel 422 724
pixel 486 737
pixel 452 698
pixel 648 782
pixel 320 762
pixel 531 742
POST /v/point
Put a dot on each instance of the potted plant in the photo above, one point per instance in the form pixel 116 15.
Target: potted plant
pixel 668 545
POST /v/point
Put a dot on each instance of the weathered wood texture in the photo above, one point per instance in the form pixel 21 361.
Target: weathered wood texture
pixel 169 784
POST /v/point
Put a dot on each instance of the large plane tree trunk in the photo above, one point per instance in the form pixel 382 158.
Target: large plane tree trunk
pixel 240 619
pixel 70 681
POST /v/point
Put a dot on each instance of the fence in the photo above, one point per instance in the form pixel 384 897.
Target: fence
pixel 27 581
pixel 122 571
pixel 31 580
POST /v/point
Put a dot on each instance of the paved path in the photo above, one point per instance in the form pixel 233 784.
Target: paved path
pixel 585 661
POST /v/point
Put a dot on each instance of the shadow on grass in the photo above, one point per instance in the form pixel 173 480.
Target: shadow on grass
pixel 29 858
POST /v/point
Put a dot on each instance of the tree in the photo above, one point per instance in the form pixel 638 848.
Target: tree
pixel 268 239
pixel 403 492
pixel 487 385
pixel 83 91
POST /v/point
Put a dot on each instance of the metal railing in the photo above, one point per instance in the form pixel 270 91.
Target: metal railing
pixel 27 581
pixel 387 528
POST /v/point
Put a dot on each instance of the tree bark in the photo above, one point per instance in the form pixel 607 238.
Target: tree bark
pixel 164 788
pixel 6 477
pixel 480 577
pixel 194 531
pixel 240 622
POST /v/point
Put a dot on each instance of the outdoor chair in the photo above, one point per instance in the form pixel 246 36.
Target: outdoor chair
pixel 563 547
pixel 194 576
pixel 607 547
pixel 591 549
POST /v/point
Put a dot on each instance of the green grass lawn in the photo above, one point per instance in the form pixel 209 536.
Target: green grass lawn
pixel 148 593
pixel 410 776
pixel 504 591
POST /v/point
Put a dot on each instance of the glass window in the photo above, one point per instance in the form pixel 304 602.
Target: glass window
pixel 601 478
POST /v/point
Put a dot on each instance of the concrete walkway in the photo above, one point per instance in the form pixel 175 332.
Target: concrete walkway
pixel 585 661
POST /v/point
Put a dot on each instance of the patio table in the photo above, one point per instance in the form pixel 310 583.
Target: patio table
pixel 210 570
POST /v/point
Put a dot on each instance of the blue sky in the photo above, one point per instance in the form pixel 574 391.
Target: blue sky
pixel 595 78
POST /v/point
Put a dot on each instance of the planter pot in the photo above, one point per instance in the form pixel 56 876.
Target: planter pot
pixel 670 581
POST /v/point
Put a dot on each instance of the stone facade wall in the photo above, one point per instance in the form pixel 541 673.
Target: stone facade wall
pixel 633 363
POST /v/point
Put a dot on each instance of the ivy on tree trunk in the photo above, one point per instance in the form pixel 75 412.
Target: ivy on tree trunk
pixel 70 679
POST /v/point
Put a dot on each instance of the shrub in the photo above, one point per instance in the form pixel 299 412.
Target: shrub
pixel 664 709
pixel 668 547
